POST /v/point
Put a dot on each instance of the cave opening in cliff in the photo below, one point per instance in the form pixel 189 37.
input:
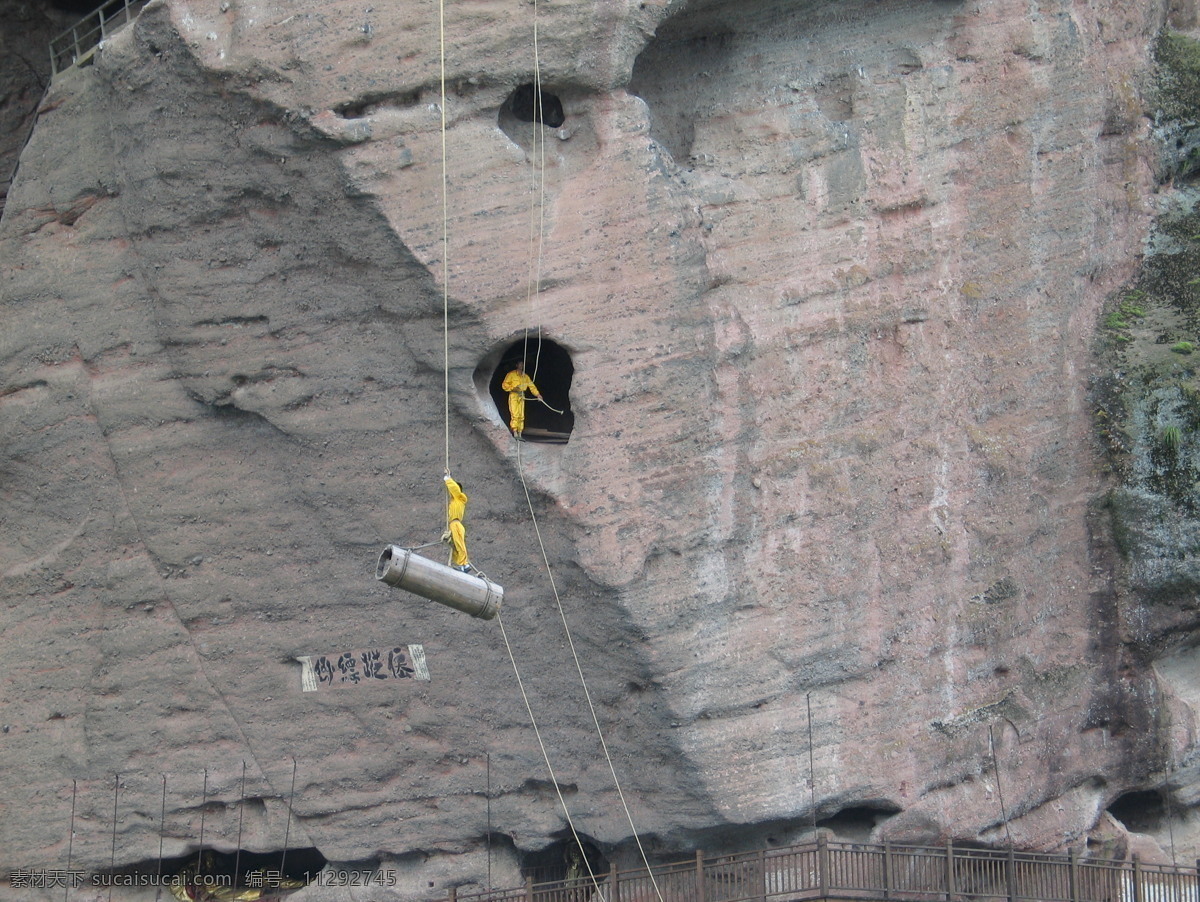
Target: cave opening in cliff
pixel 549 365
pixel 524 110
pixel 528 103
pixel 281 869
pixel 856 822
pixel 1140 811
pixel 566 861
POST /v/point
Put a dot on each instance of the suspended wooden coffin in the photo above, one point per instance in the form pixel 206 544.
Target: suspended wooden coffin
pixel 474 595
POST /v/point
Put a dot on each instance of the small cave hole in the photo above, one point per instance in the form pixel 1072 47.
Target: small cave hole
pixel 548 364
pixel 524 110
pixel 565 861
pixel 530 104
pixel 1141 811
pixel 856 822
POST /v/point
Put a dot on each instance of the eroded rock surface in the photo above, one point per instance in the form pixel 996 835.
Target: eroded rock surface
pixel 829 276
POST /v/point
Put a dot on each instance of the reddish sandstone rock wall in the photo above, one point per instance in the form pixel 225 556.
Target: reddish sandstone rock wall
pixel 828 275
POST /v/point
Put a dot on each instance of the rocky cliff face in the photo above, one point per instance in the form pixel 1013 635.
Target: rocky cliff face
pixel 820 286
pixel 25 32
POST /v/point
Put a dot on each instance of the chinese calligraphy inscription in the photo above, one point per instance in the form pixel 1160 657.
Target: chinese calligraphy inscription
pixel 362 667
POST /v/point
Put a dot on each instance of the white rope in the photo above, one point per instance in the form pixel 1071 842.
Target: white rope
pixel 537 226
pixel 539 144
pixel 445 232
pixel 542 745
pixel 583 682
pixel 446 392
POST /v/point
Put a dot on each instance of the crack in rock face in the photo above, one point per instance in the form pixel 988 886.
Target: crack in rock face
pixel 822 533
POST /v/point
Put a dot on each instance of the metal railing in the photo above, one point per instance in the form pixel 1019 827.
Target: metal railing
pixel 76 45
pixel 825 870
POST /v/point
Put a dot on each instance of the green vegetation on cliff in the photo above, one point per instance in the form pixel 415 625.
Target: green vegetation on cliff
pixel 1148 401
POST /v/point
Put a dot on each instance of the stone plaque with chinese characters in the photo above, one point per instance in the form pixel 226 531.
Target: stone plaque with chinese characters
pixel 362 667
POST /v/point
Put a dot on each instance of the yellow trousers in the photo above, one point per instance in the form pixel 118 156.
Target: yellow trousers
pixel 516 411
pixel 458 544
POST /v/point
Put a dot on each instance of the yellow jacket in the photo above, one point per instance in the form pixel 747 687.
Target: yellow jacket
pixel 456 508
pixel 516 381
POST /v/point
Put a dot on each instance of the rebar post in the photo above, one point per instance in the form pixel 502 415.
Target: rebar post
pixel 71 837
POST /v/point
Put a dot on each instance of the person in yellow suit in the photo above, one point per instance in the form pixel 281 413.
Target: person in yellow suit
pixel 456 533
pixel 516 383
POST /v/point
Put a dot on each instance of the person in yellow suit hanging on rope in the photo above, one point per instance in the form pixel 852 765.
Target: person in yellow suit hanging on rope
pixel 516 383
pixel 456 533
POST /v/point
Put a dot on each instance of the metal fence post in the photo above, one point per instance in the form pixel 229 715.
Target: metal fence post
pixel 454 894
pixel 950 888
pixel 762 874
pixel 1010 876
pixel 823 864
pixel 887 870
pixel 1073 875
pixel 528 889
pixel 615 882
pixel 1137 879
pixel 699 875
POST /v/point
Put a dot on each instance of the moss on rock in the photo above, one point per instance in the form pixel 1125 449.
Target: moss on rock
pixel 1176 98
pixel 1147 405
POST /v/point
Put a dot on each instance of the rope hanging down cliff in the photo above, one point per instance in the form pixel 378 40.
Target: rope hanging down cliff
pixel 445 233
pixel 537 227
pixel 446 380
pixel 537 194
pixel 446 349
pixel 586 692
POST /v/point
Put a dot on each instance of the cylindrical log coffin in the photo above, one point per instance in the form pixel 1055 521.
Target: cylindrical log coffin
pixel 474 595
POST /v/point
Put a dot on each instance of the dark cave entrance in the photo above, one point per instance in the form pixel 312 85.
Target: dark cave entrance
pixel 550 367
pixel 565 861
pixel 1141 811
pixel 530 104
pixel 212 869
pixel 524 110
pixel 856 822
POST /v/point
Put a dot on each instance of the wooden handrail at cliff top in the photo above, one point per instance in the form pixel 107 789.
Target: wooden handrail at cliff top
pixel 831 870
